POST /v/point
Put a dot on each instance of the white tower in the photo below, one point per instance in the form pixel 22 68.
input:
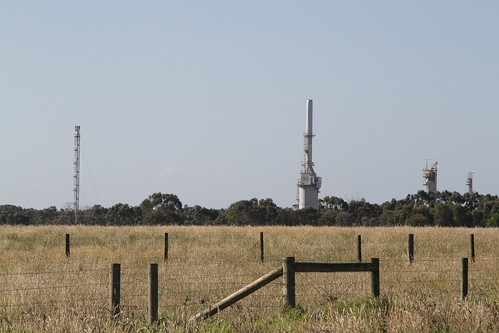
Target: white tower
pixel 430 176
pixel 469 182
pixel 76 176
pixel 308 183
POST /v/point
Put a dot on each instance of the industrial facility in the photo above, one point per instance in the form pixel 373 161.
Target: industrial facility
pixel 469 182
pixel 308 183
pixel 430 176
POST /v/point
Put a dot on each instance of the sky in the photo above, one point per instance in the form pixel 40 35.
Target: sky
pixel 206 99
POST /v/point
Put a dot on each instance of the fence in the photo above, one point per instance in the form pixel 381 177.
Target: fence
pixel 410 247
pixel 188 289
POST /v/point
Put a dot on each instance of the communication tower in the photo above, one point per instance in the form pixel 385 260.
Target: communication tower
pixel 430 176
pixel 469 182
pixel 308 183
pixel 76 176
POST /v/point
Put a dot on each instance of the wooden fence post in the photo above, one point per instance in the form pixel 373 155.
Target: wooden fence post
pixel 165 255
pixel 153 293
pixel 68 246
pixel 472 245
pixel 359 248
pixel 410 248
pixel 261 246
pixel 464 278
pixel 114 289
pixel 288 274
pixel 375 277
pixel 238 295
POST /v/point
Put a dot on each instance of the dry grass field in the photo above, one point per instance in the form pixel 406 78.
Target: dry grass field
pixel 43 290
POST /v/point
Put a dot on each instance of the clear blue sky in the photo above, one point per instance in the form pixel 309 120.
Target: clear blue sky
pixel 206 99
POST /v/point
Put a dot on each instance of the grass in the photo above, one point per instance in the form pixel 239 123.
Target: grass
pixel 43 290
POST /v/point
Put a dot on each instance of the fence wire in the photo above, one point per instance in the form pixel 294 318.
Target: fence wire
pixel 188 288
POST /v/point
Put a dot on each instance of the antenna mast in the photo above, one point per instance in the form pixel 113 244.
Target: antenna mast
pixel 76 176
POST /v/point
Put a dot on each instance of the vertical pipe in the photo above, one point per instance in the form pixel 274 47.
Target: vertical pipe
pixel 309 133
pixel 68 246
pixel 288 274
pixel 359 248
pixel 153 293
pixel 472 245
pixel 309 120
pixel 410 248
pixel 375 277
pixel 165 255
pixel 261 246
pixel 114 289
pixel 464 278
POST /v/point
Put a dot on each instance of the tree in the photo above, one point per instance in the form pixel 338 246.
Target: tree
pixel 268 210
pixel 123 214
pixel 443 215
pixel 461 217
pixel 493 221
pixel 333 203
pixel 418 220
pixel 161 208
pixel 344 219
pixel 307 216
pixel 244 212
pixel 45 216
pixel 362 210
pixel 328 217
pixel 198 215
pixel 96 215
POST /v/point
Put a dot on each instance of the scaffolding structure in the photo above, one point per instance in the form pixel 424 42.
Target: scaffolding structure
pixel 76 176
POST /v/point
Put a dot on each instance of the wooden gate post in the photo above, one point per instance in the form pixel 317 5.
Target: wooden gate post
pixel 410 248
pixel 464 278
pixel 68 246
pixel 153 293
pixel 288 274
pixel 375 277
pixel 114 289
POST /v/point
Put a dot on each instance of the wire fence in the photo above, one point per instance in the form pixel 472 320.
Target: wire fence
pixel 188 288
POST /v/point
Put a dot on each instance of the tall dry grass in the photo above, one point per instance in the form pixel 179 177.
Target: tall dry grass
pixel 42 290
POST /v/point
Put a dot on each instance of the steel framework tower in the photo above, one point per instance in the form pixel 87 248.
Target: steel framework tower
pixel 430 176
pixel 308 183
pixel 76 176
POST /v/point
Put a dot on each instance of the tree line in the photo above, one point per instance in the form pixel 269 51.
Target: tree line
pixel 446 209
